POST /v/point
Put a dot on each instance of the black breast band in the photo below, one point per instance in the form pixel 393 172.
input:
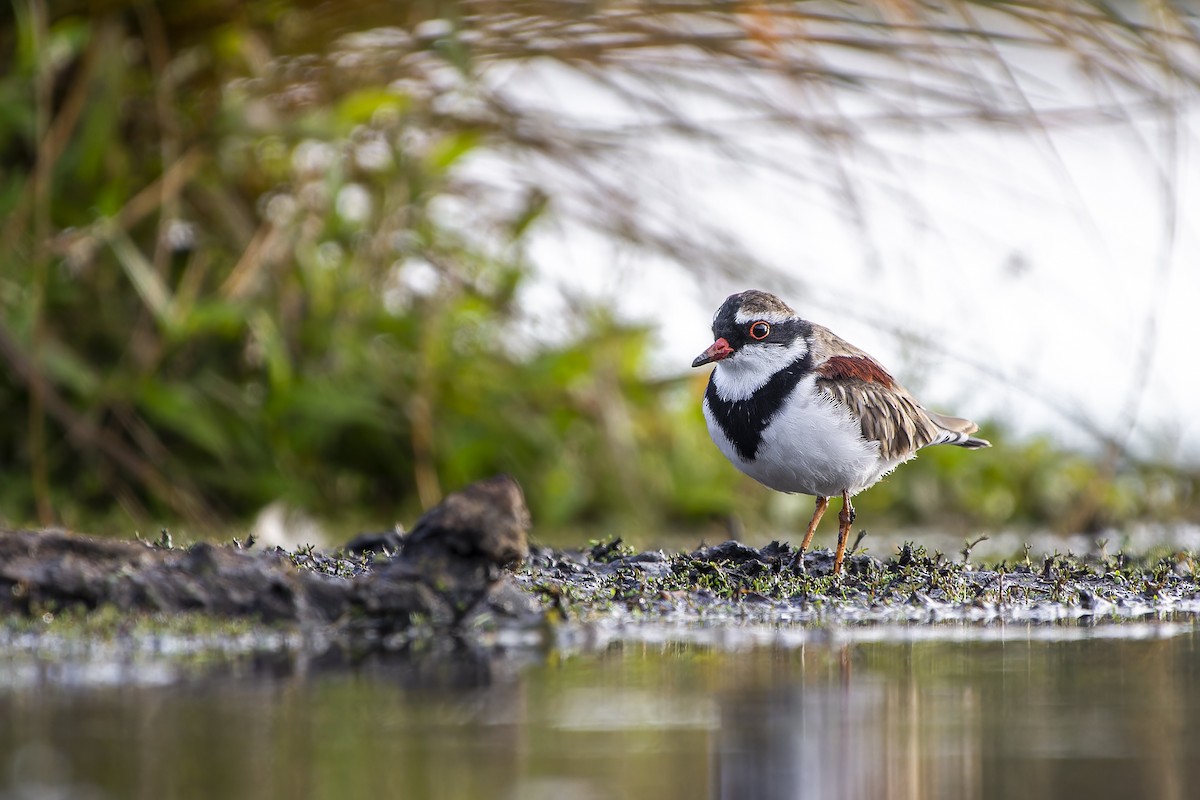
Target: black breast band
pixel 743 421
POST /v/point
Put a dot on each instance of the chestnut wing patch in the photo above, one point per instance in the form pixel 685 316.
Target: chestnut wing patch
pixel 855 368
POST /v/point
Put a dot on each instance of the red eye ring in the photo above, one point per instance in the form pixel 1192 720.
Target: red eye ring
pixel 760 330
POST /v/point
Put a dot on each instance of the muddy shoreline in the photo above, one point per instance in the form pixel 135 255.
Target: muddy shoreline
pixel 733 582
pixel 467 570
pixel 369 596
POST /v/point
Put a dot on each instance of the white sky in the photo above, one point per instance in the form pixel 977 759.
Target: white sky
pixel 1042 268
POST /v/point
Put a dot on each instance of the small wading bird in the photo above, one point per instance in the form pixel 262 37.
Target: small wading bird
pixel 803 411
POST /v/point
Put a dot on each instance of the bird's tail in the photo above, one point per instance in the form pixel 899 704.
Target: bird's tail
pixel 957 431
pixel 972 443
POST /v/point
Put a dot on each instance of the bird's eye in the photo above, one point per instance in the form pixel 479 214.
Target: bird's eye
pixel 760 330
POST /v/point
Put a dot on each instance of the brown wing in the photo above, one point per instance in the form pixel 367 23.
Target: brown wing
pixel 892 418
pixel 886 411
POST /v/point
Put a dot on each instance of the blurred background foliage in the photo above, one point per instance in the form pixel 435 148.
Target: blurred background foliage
pixel 242 262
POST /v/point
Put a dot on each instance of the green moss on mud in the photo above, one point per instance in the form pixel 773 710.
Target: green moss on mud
pixel 731 578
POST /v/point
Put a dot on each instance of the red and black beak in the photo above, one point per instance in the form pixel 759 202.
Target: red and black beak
pixel 716 351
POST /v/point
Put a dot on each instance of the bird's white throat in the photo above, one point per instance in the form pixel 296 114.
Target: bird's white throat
pixel 745 372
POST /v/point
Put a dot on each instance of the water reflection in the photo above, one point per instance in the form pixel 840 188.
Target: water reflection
pixel 1012 717
pixel 1098 718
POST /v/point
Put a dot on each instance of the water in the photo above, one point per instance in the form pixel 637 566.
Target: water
pixel 1038 712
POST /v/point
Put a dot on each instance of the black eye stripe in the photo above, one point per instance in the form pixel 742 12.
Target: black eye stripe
pixel 726 326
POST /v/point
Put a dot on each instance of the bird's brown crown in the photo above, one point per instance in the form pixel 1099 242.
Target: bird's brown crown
pixel 755 302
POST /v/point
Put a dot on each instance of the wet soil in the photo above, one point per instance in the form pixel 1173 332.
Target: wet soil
pixel 453 565
pixel 733 581
pixel 467 568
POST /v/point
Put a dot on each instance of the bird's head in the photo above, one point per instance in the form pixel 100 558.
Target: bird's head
pixel 755 335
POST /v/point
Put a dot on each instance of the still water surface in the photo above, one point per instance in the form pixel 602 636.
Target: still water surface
pixel 1092 714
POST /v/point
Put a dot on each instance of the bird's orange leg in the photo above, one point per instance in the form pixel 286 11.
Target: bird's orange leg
pixel 845 520
pixel 822 504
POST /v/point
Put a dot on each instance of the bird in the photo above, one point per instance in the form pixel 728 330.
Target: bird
pixel 802 411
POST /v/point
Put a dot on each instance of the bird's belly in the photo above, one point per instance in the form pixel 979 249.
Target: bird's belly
pixel 810 447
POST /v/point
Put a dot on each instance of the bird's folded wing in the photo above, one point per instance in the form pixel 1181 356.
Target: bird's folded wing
pixel 888 415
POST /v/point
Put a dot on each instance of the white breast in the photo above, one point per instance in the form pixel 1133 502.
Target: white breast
pixel 812 446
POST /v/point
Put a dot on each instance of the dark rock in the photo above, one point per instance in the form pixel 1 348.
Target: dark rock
pixel 732 551
pixel 58 569
pixel 818 561
pixel 393 599
pixel 453 558
pixel 777 551
pixel 448 567
pixel 486 521
pixel 381 542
